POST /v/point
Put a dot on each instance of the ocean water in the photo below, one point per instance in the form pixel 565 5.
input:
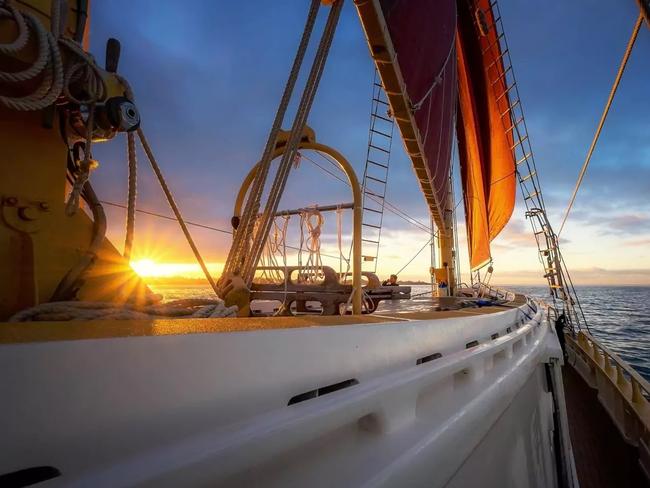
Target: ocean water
pixel 619 316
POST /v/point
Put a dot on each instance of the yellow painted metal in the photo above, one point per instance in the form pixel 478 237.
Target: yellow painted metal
pixel 445 244
pixel 38 242
pixel 309 142
pixel 41 9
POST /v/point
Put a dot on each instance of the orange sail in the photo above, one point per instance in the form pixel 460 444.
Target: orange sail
pixel 483 122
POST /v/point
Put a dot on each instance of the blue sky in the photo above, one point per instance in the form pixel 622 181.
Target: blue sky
pixel 208 76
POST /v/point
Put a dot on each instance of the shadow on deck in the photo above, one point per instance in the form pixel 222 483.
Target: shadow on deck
pixel 603 459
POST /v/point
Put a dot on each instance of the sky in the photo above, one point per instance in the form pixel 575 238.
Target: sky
pixel 208 75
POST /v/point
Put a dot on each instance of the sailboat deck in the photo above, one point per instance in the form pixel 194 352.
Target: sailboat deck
pixel 422 308
pixel 602 457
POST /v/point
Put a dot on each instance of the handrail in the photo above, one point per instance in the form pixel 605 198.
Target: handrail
pixel 623 393
pixel 637 384
pixel 499 293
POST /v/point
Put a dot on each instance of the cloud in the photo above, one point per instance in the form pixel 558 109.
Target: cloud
pixel 580 276
pixel 208 80
pixel 617 223
pixel 638 242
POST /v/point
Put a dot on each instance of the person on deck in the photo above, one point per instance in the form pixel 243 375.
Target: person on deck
pixel 392 281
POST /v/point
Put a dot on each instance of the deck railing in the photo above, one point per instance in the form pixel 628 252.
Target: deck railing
pixel 484 290
pixel 622 391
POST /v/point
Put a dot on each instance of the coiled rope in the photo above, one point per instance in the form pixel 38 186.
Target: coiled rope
pixel 57 76
pixel 65 311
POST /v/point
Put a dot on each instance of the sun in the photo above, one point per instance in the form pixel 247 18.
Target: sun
pixel 145 267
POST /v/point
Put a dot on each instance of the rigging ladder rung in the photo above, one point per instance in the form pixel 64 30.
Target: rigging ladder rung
pixel 517 122
pixel 495 42
pixel 506 91
pixel 372 210
pixel 375 131
pixel 385 166
pixel 375 179
pixel 528 176
pixel 385 119
pixel 371 225
pixel 499 58
pixel 368 192
pixel 379 148
pixel 525 157
pixel 512 106
pixel 520 141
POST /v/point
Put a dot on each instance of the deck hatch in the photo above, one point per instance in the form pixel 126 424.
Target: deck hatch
pixel 430 357
pixel 322 391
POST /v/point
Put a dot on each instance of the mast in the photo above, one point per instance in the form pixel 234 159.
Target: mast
pixel 445 243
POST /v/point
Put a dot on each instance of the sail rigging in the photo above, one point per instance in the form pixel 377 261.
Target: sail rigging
pixel 485 145
pixel 440 59
pixel 422 95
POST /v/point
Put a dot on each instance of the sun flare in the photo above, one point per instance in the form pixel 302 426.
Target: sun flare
pixel 150 268
pixel 146 267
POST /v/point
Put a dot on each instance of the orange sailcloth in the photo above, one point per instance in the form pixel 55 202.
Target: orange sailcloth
pixel 483 122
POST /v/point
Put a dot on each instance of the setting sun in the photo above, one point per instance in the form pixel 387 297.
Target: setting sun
pixel 145 267
pixel 149 268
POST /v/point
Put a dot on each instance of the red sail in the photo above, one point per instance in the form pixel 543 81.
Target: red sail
pixel 413 45
pixel 484 141
pixel 433 59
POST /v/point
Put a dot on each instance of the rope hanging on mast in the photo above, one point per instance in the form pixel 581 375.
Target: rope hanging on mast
pixel 277 188
pixel 238 249
pixel 603 117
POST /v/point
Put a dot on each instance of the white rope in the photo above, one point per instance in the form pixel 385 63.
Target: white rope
pixel 57 78
pixel 275 246
pixel 304 107
pixel 312 220
pixel 85 167
pixel 603 117
pixel 79 70
pixel 339 240
pixel 67 311
pixel 240 245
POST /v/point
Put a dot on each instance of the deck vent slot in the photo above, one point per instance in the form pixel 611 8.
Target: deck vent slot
pixel 29 476
pixel 322 391
pixel 430 357
pixel 469 345
pixel 494 336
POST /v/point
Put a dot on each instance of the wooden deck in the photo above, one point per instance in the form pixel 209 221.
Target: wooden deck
pixel 603 459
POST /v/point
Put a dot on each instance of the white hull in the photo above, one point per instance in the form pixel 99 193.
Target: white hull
pixel 212 409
